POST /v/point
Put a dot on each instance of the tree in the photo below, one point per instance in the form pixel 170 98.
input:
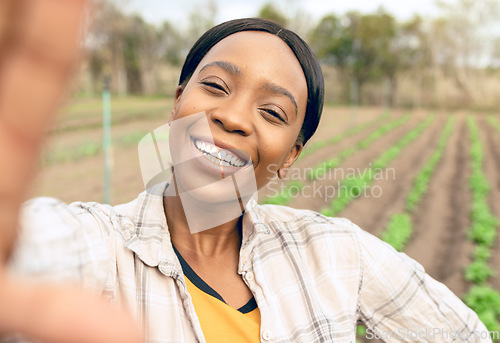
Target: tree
pixel 271 12
pixel 462 39
pixel 358 45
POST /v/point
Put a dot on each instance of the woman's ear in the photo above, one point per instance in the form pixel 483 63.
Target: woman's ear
pixel 178 93
pixel 292 157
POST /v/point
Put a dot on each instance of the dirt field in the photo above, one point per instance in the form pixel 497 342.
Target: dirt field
pixel 440 221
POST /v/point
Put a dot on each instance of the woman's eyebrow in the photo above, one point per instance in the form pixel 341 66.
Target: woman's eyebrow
pixel 274 88
pixel 227 66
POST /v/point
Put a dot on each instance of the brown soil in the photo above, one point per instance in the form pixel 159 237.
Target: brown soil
pixel 359 161
pixel 302 165
pixel 441 220
pixel 372 213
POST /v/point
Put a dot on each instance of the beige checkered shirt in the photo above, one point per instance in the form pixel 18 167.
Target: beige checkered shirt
pixel 313 277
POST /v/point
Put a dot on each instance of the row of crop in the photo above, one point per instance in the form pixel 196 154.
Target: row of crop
pixel 312 148
pixel 64 154
pixel 400 228
pixel 482 298
pixel 87 114
pixel 285 196
pixel 495 123
pixel 351 188
pixel 319 170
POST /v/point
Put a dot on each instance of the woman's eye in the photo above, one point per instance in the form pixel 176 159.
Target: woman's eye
pixel 213 87
pixel 275 115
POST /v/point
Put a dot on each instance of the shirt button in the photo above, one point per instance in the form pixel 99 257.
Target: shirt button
pixel 266 335
pixel 249 276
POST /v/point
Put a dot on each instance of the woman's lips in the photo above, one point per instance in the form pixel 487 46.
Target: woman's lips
pixel 218 155
pixel 215 159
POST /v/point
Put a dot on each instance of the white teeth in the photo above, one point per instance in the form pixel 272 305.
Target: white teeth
pixel 218 156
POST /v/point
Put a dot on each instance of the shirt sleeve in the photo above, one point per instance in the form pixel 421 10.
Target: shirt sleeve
pixel 399 302
pixel 63 243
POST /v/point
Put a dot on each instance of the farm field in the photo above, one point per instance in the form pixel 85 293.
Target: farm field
pixel 427 182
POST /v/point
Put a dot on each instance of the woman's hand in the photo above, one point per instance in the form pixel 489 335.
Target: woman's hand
pixel 39 51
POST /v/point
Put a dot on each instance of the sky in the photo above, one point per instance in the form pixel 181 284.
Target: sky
pixel 177 11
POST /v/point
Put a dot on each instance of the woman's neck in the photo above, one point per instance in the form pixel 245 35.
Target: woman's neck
pixel 216 241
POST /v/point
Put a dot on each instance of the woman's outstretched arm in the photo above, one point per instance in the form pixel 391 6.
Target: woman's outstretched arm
pixel 39 51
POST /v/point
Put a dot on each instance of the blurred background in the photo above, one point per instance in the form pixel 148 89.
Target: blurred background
pixel 412 87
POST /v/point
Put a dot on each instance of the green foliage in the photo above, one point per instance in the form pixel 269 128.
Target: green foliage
pixel 65 154
pixel 422 179
pixel 398 231
pixel 478 272
pixel 349 188
pixel 481 253
pixel 483 230
pixel 485 301
pixel 271 12
pixel 481 298
pixel 494 123
pixel 383 130
pixel 370 47
pixel 334 162
pixel 308 150
pixel 285 197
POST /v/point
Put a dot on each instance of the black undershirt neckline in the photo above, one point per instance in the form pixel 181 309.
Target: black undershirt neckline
pixel 203 286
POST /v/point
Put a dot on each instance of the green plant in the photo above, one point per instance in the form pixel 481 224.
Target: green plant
pixel 398 231
pixel 352 131
pixel 481 253
pixel 334 162
pixel 481 297
pixel 478 272
pixel 350 187
pixel 485 301
pixel 422 179
pixel 319 171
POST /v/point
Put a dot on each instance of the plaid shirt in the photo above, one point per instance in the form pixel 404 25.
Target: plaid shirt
pixel 313 277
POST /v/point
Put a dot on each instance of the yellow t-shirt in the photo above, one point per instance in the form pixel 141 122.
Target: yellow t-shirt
pixel 222 323
pixel 219 321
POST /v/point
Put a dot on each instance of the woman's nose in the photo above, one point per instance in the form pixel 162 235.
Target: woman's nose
pixel 231 120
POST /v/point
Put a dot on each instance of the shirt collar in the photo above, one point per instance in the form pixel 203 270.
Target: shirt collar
pixel 150 238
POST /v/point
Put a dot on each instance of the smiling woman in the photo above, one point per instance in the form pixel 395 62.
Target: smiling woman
pixel 250 96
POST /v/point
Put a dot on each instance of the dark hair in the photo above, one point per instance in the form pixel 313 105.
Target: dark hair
pixel 310 66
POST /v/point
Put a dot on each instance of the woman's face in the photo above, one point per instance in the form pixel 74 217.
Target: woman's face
pixel 254 93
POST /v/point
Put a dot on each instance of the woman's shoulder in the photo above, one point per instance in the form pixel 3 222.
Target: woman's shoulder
pixel 56 214
pixel 303 225
pixel 306 219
